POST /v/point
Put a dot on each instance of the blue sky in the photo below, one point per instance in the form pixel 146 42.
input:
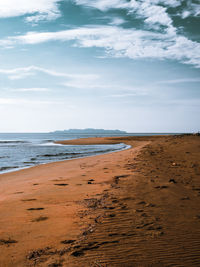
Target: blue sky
pixel 119 64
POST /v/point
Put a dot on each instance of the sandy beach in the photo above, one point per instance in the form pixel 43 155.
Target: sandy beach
pixel 137 207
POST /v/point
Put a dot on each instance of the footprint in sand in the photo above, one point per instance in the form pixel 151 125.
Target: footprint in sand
pixel 69 241
pixel 7 241
pixel 185 198
pixel 172 181
pixel 61 184
pixel 139 210
pixel 150 205
pixel 29 199
pixel 30 209
pixel 141 203
pixel 39 219
pixel 112 215
pixel 89 246
pixel 161 186
pixel 113 234
pixel 77 253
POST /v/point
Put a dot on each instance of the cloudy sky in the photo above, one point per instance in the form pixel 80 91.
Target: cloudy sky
pixel 115 64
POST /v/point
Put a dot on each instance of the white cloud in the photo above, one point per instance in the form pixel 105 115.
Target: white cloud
pixel 186 80
pixel 18 73
pixel 154 12
pixel 81 84
pixel 191 10
pixel 105 5
pixel 100 84
pixel 32 89
pixel 21 73
pixel 36 18
pixel 117 21
pixel 185 14
pixel 119 42
pixel 136 93
pixel 42 9
pixel 196 9
pixel 79 81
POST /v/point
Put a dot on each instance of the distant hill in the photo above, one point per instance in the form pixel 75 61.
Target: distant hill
pixel 91 131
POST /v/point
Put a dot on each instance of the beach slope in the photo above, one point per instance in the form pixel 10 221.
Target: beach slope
pixel 137 207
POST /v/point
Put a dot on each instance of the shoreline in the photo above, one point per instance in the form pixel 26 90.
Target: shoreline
pixel 114 209
pixel 63 144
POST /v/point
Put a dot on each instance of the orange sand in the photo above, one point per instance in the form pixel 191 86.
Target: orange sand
pixel 138 207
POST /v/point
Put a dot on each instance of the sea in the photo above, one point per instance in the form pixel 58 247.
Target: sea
pixel 24 150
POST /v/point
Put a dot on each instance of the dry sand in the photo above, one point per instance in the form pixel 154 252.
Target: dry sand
pixel 138 207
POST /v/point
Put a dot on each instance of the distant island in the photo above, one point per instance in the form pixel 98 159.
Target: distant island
pixel 91 131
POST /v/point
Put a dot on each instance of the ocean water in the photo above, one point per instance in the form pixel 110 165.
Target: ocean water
pixel 23 150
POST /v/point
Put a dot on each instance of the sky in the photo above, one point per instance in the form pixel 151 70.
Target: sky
pixel 132 65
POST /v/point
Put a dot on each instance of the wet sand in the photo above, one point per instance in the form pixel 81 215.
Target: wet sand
pixel 137 207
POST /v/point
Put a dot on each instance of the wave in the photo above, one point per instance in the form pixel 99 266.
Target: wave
pixel 58 155
pixel 8 168
pixel 75 154
pixel 41 156
pixel 47 141
pixel 13 142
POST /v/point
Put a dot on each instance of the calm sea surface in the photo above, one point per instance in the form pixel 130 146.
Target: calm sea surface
pixel 22 150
